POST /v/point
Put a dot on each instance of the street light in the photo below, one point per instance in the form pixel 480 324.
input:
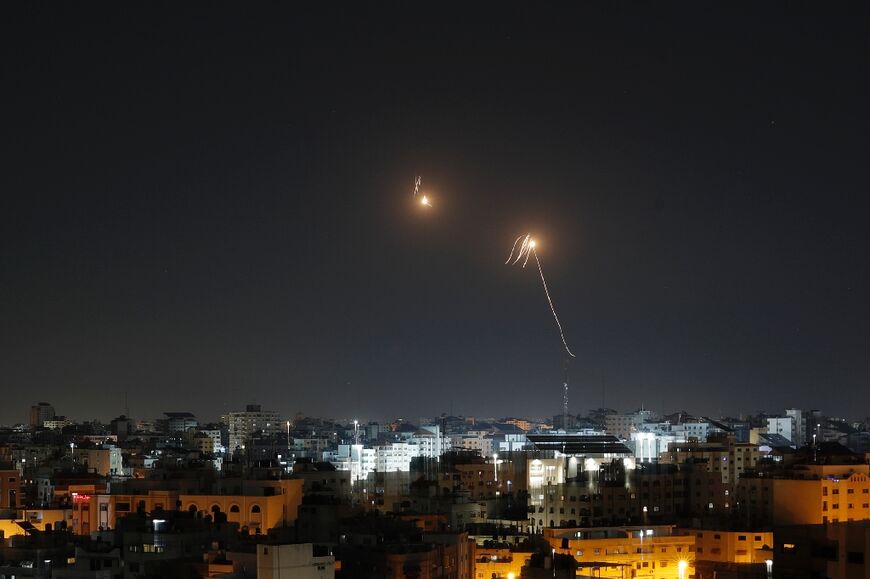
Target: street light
pixel 682 565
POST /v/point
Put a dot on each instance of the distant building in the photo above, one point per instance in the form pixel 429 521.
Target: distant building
pixel 799 426
pixel 177 422
pixel 242 425
pixel 105 461
pixel 783 426
pixel 295 561
pixel 622 425
pixel 58 423
pixel 394 457
pixel 431 441
pixel 208 440
pixel 121 427
pixel 725 457
pixel 39 413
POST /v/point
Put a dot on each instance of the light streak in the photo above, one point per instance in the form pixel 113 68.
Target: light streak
pixel 424 200
pixel 526 250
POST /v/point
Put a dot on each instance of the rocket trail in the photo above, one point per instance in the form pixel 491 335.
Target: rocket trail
pixel 524 252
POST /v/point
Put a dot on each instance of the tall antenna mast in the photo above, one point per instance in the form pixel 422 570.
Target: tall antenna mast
pixel 565 395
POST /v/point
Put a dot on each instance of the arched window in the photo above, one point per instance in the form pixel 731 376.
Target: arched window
pixel 215 509
pixel 192 508
pixel 255 509
pixel 234 509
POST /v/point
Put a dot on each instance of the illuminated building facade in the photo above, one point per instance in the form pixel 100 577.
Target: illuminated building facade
pixel 806 495
pixel 625 552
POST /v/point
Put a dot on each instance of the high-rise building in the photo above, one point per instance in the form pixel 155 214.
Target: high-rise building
pixel 39 413
pixel 250 421
pixel 799 427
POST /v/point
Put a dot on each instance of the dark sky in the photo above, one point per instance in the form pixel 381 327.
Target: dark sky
pixel 211 206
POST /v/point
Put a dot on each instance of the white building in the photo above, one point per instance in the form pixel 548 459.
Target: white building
pixel 395 457
pixel 648 445
pixel 479 441
pixel 253 420
pixel 360 461
pixel 431 441
pixel 512 442
pixel 295 561
pixel 685 431
pixel 784 426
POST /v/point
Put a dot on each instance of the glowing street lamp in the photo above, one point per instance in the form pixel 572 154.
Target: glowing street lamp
pixel 682 565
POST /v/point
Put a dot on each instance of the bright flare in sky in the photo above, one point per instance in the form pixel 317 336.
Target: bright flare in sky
pixel 424 200
pixel 525 250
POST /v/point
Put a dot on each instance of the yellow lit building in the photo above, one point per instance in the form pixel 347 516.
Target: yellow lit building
pixel 807 495
pixel 502 563
pixel 733 546
pixel 658 552
pixel 256 512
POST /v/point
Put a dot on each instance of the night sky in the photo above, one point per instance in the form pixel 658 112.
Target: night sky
pixel 211 206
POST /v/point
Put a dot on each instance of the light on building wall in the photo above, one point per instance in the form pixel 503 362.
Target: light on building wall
pixel 682 566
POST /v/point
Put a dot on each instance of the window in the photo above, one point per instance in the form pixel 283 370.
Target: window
pixel 757 537
pixel 855 557
pixel 255 509
pixel 741 537
pixel 234 509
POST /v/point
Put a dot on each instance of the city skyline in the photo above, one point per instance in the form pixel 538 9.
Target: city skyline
pixel 220 213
